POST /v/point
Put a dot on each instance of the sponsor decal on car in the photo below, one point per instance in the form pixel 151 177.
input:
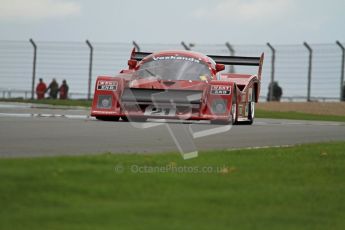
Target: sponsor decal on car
pixel 106 85
pixel 176 58
pixel 221 89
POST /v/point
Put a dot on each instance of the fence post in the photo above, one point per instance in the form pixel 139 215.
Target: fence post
pixel 232 53
pixel 90 70
pixel 137 47
pixel 185 46
pixel 273 60
pixel 309 68
pixel 33 69
pixel 342 90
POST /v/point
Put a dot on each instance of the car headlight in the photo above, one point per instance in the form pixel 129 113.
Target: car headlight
pixel 219 106
pixel 104 101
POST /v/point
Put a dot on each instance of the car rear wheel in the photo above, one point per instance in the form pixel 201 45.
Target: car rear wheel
pixel 234 113
pixel 251 110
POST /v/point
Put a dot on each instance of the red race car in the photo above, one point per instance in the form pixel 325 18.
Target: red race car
pixel 179 84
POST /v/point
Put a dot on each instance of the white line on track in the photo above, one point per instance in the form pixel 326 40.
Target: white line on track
pixel 271 122
pixel 43 115
pixel 261 147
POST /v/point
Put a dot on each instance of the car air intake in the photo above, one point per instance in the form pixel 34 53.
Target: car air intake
pixel 169 83
pixel 143 96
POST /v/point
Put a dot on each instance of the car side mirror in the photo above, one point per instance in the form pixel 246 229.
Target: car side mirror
pixel 220 67
pixel 132 63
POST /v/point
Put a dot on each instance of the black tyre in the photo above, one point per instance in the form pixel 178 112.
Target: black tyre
pixel 234 111
pixel 107 118
pixel 124 118
pixel 134 119
pixel 251 109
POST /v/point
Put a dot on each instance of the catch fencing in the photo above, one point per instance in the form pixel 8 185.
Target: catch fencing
pixel 306 72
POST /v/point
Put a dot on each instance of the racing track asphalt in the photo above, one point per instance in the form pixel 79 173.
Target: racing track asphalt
pixel 37 131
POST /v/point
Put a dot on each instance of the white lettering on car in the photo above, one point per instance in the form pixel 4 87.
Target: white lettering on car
pixel 221 89
pixel 106 85
pixel 176 58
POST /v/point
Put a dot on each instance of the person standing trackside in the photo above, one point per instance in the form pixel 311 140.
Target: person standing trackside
pixel 53 89
pixel 274 92
pixel 41 89
pixel 63 90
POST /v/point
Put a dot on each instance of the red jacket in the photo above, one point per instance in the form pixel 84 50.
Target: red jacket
pixel 40 90
pixel 63 91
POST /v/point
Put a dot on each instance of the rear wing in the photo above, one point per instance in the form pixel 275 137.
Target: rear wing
pixel 139 55
pixel 225 60
pixel 238 60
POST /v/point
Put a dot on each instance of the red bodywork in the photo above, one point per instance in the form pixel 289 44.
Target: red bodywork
pixel 221 97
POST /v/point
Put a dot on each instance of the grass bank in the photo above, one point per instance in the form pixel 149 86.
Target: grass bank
pixel 298 187
pixel 297 116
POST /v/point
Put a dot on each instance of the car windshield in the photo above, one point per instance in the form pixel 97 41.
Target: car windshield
pixel 174 68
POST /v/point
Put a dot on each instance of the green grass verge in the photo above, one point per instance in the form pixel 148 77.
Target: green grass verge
pixel 80 102
pixel 298 187
pixel 297 116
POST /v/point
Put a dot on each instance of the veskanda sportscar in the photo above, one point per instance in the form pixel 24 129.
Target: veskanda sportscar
pixel 179 84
